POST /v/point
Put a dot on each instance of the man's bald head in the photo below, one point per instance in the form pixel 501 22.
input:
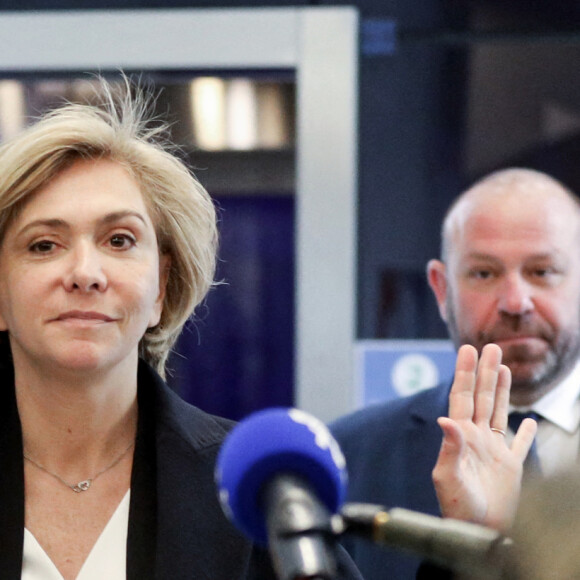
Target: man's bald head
pixel 512 186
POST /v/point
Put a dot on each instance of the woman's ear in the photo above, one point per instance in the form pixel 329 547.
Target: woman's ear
pixel 437 278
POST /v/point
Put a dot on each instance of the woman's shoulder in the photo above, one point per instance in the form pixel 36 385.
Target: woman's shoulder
pixel 172 414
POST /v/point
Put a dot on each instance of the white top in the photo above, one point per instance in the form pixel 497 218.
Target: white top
pixel 558 438
pixel 107 559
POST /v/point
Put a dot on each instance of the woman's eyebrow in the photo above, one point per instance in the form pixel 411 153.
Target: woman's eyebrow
pixel 50 223
pixel 58 223
pixel 119 215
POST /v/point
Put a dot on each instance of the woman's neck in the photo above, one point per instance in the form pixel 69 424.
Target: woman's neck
pixel 82 419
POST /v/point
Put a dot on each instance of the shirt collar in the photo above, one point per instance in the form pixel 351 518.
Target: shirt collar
pixel 560 406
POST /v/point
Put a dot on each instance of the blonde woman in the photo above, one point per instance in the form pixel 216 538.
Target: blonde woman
pixel 107 244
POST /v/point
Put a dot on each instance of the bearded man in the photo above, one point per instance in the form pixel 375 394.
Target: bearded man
pixel 509 274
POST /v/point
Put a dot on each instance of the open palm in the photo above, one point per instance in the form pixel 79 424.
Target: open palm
pixel 477 476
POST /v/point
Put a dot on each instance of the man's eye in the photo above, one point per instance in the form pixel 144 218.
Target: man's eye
pixel 480 274
pixel 542 272
pixel 42 247
pixel 547 275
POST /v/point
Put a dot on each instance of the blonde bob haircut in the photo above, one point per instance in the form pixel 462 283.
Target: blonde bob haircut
pixel 118 129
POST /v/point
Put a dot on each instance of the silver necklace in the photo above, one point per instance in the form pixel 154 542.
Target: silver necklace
pixel 85 484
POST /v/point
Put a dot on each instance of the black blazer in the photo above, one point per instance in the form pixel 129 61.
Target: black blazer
pixel 176 526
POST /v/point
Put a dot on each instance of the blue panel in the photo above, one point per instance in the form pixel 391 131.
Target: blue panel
pixel 388 369
pixel 378 36
pixel 238 356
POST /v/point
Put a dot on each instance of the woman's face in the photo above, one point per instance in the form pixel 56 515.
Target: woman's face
pixel 80 273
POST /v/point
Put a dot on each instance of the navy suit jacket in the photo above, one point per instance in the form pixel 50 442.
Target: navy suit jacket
pixel 390 451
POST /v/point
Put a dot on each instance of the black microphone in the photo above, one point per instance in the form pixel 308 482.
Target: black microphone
pixel 460 546
pixel 281 477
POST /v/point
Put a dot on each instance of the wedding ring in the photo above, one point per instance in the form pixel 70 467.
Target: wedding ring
pixel 496 430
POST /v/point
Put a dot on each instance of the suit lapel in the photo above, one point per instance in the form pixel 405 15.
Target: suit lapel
pixel 424 443
pixel 193 534
pixel 433 405
pixel 11 482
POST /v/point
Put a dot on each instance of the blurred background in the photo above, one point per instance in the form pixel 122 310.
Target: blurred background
pixel 447 90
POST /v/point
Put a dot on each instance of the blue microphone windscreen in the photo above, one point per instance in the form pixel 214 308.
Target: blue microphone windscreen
pixel 273 442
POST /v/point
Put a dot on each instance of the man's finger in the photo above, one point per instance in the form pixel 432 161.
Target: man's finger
pixel 452 443
pixel 499 419
pixel 486 383
pixel 524 438
pixel 461 397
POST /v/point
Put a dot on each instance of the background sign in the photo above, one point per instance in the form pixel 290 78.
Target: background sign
pixel 389 369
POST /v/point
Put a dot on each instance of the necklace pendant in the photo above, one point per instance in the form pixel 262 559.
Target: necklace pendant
pixel 82 486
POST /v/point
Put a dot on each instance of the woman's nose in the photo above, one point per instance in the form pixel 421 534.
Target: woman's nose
pixel 85 272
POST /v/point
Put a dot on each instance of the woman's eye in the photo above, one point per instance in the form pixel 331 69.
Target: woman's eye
pixel 122 241
pixel 42 247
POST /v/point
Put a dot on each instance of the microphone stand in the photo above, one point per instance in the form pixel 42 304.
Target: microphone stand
pixel 462 547
pixel 300 534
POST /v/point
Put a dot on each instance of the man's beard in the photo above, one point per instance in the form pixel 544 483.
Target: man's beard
pixel 533 375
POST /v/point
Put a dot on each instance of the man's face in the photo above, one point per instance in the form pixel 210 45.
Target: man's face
pixel 513 278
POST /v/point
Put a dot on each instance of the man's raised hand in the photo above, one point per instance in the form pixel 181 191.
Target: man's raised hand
pixel 477 476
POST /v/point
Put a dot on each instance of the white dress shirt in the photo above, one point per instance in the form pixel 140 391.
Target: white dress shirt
pixel 107 559
pixel 558 438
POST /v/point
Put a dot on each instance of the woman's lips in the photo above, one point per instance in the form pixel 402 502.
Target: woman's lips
pixel 83 316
